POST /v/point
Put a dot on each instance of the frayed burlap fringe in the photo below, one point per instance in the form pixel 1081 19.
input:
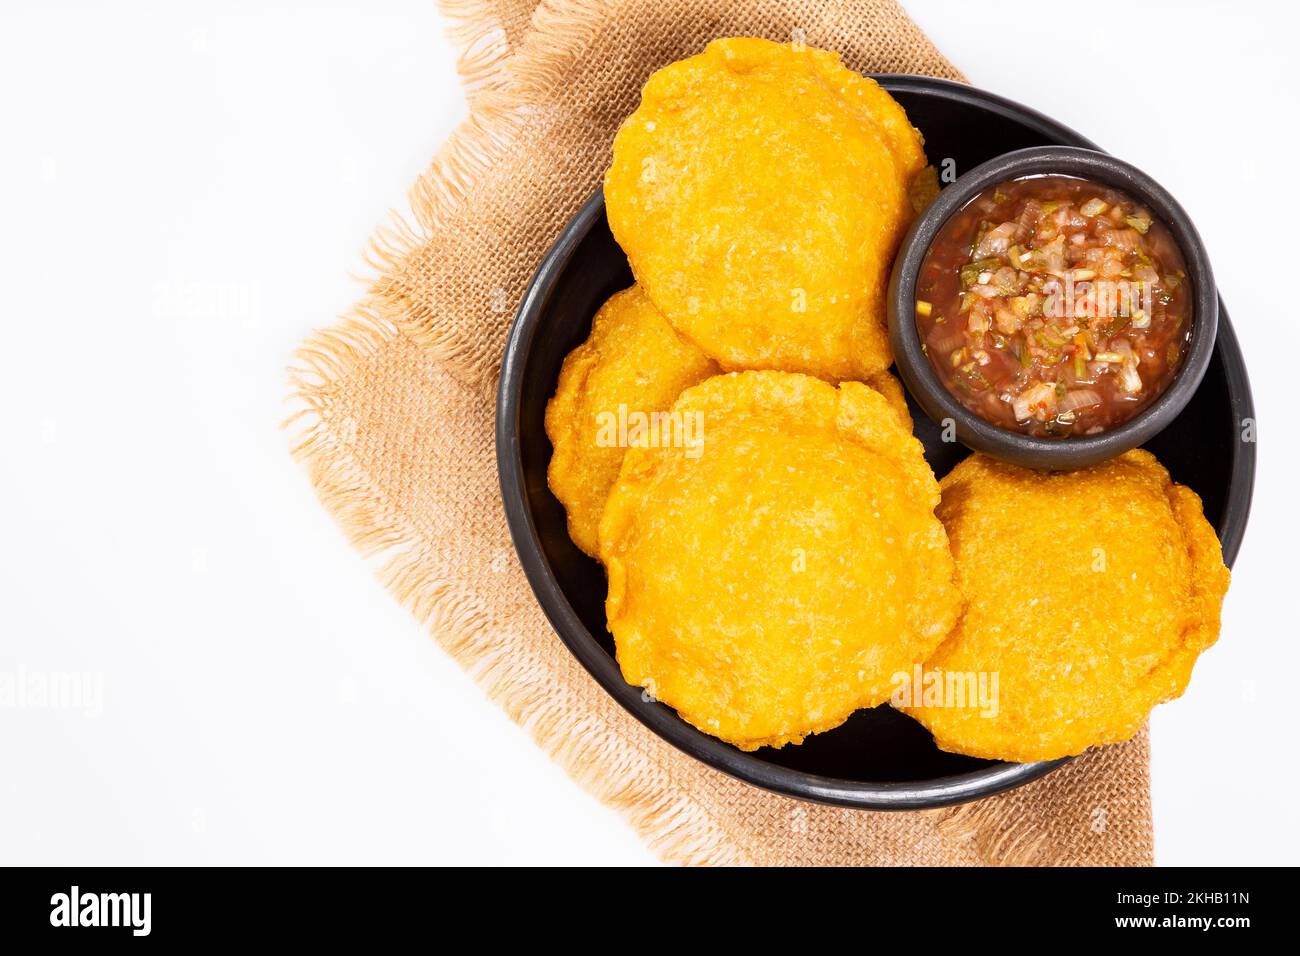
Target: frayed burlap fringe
pixel 419 354
pixel 486 33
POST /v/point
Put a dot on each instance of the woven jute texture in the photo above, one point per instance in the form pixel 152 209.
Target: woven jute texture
pixel 393 418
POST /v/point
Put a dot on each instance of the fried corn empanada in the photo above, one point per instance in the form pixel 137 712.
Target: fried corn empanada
pixel 760 191
pixel 787 575
pixel 1089 594
pixel 630 367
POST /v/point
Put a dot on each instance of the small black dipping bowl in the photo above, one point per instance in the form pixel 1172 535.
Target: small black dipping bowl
pixel 982 435
pixel 879 759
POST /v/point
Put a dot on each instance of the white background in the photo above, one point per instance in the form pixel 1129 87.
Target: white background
pixel 184 191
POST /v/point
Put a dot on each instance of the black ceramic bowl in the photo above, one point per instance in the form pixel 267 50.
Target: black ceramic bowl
pixel 879 759
pixel 939 403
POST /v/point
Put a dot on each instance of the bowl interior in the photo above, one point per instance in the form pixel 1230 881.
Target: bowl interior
pixel 877 746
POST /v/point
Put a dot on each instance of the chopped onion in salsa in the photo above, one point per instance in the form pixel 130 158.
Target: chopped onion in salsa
pixel 1054 306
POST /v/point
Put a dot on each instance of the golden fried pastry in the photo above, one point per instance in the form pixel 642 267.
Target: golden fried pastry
pixel 783 578
pixel 892 389
pixel 1089 594
pixel 760 191
pixel 632 366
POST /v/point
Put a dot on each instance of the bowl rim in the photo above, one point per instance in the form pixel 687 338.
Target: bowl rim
pixel 973 430
pixel 937 792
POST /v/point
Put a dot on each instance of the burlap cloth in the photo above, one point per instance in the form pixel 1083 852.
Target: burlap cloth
pixel 394 420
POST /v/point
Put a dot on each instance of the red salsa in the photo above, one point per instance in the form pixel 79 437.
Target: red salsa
pixel 1054 306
